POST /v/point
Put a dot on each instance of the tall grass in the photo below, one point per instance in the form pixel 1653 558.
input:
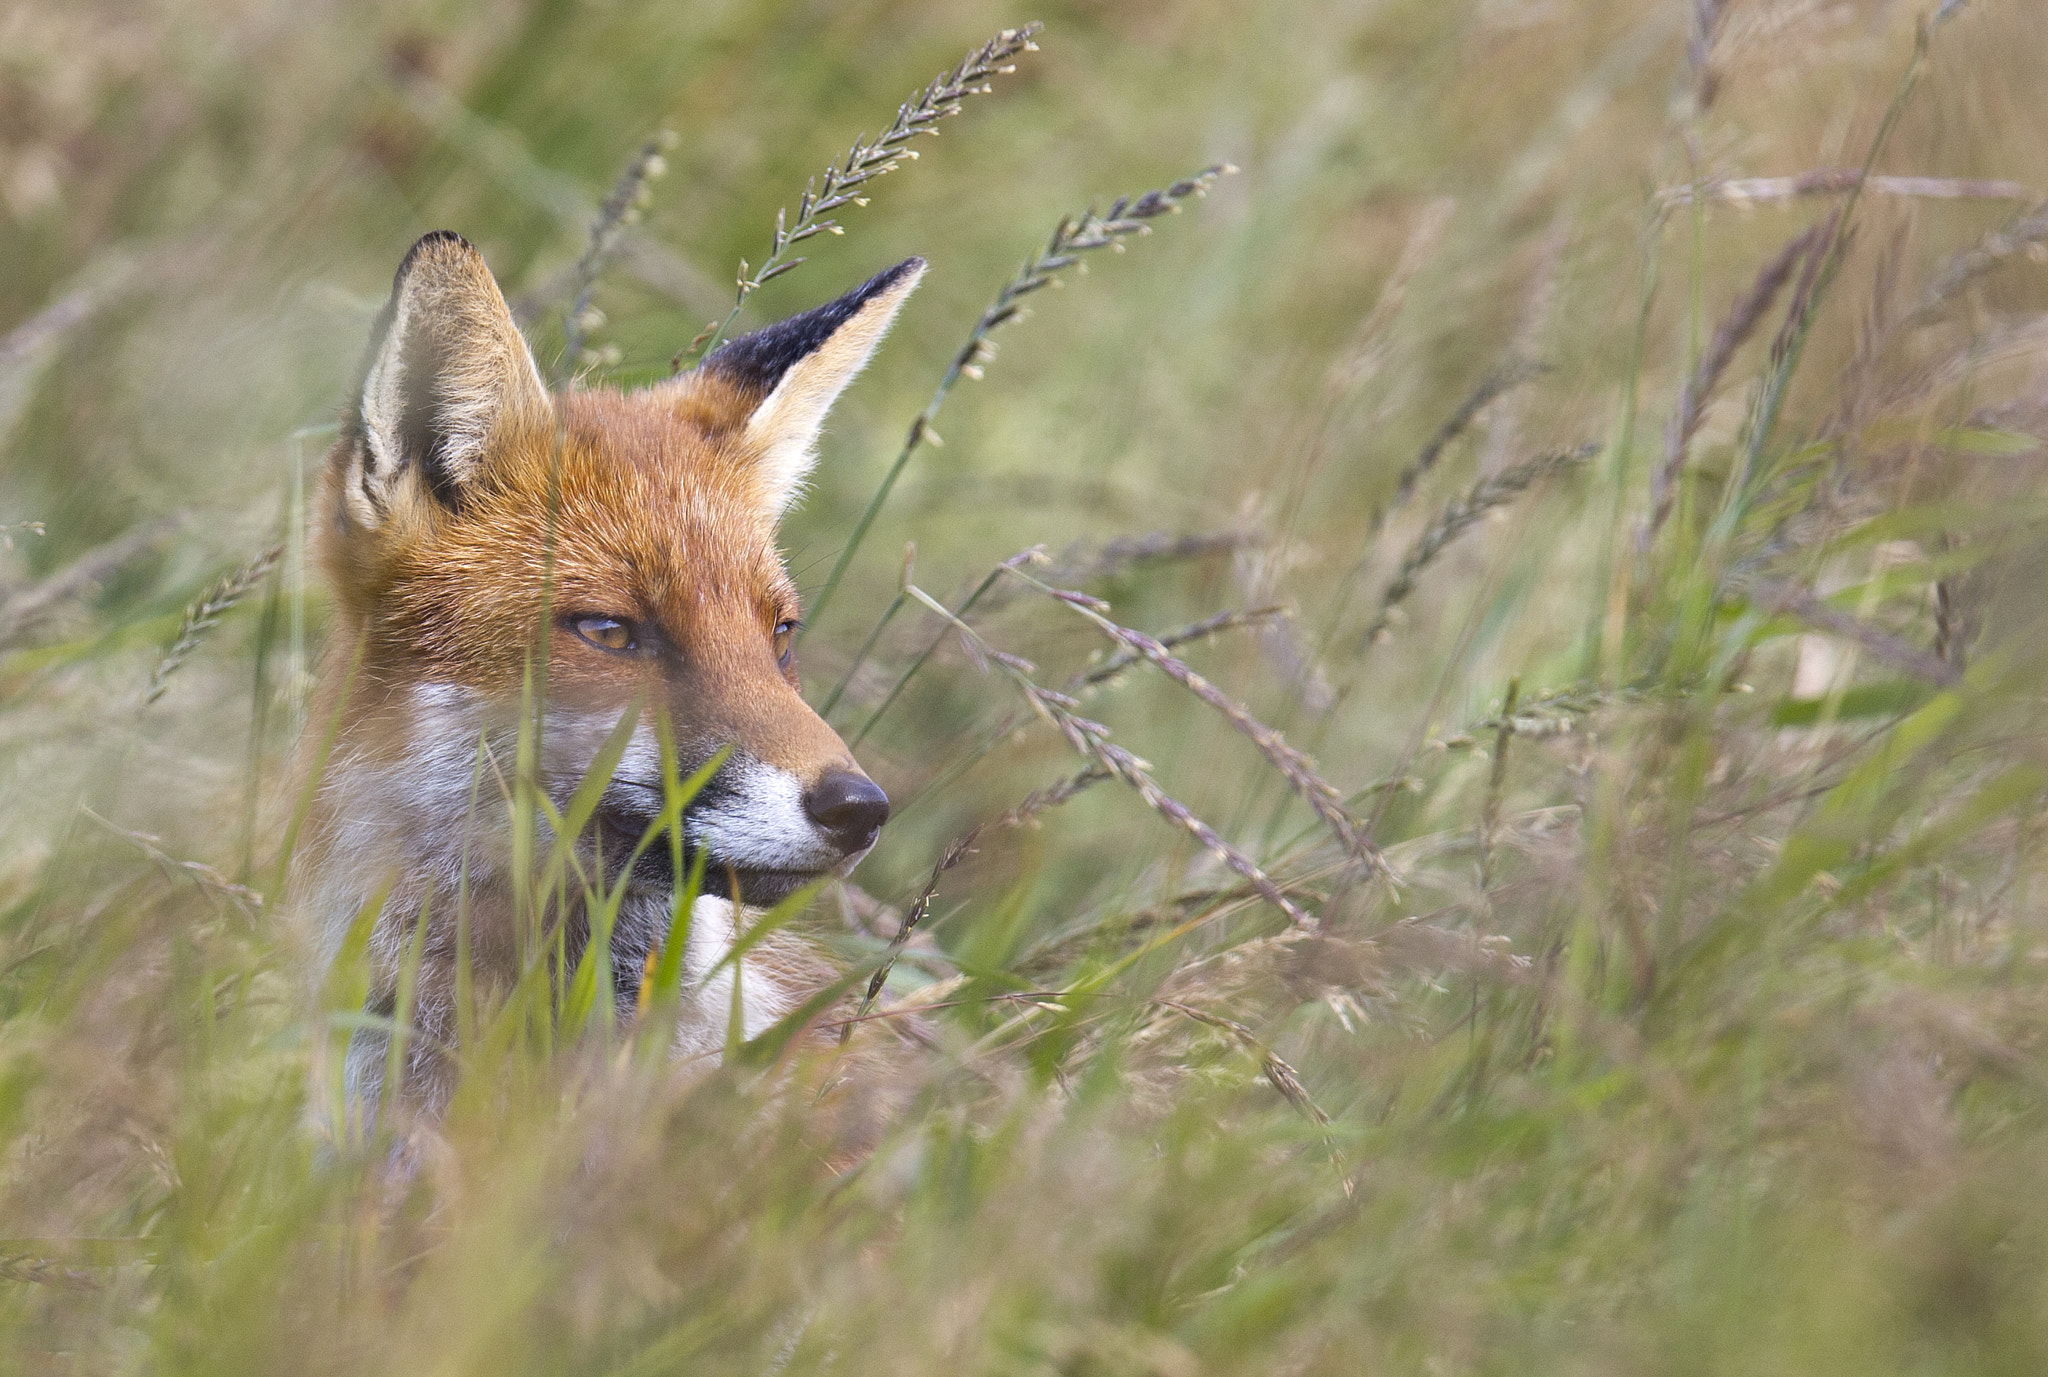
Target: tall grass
pixel 1505 838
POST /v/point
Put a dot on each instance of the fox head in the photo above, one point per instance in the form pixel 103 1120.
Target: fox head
pixel 478 527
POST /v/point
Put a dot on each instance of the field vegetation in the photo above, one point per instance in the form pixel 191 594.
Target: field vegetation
pixel 1452 649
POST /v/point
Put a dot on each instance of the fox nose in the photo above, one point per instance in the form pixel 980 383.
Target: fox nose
pixel 849 806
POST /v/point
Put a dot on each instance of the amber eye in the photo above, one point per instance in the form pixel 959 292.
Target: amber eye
pixel 785 641
pixel 606 633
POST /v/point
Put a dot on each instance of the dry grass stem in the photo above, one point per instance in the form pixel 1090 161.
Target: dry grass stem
pixel 1699 52
pixel 1735 328
pixel 1084 564
pixel 1297 769
pixel 1816 274
pixel 1492 386
pixel 1422 944
pixel 1072 237
pixel 1881 645
pixel 1284 1078
pixel 1836 181
pixel 205 876
pixel 1092 562
pixel 958 850
pixel 2024 235
pixel 1084 683
pixel 1458 516
pixel 629 198
pixel 1051 796
pixel 1203 630
pixel 26 1270
pixel 1948 645
pixel 1281 1076
pixel 840 183
pixel 1496 784
pixel 1831 241
pixel 1553 714
pixel 967 604
pixel 206 614
pixel 912 1009
pixel 1091 740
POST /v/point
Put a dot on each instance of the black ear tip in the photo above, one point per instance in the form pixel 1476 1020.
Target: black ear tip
pixel 909 267
pixel 441 237
pixel 430 243
pixel 760 359
pixel 888 279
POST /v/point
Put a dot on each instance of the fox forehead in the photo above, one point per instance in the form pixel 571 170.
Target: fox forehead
pixel 466 499
pixel 641 505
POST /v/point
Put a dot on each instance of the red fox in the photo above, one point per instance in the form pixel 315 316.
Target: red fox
pixel 477 529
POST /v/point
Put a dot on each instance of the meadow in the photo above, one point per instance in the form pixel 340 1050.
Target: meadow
pixel 1440 589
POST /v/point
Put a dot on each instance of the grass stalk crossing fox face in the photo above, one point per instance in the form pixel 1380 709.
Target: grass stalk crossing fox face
pixel 477 528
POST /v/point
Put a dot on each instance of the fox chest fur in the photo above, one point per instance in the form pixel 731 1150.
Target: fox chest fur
pixel 521 578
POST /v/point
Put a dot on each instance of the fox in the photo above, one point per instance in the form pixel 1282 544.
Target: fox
pixel 480 533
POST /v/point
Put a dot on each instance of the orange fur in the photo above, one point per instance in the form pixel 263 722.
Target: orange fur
pixel 470 525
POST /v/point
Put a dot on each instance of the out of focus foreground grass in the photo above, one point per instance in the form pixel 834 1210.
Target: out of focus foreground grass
pixel 1696 1020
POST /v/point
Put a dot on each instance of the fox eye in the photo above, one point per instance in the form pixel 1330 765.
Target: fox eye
pixel 785 641
pixel 606 633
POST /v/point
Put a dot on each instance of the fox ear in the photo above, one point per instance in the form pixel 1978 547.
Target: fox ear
pixel 793 371
pixel 446 363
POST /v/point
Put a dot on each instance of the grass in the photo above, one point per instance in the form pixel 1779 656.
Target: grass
pixel 1464 718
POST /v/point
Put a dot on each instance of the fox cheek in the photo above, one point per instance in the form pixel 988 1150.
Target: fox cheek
pixel 447 367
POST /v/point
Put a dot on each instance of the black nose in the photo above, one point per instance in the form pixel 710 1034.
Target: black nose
pixel 850 806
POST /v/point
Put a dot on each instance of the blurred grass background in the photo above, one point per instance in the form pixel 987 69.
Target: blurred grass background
pixel 1704 1029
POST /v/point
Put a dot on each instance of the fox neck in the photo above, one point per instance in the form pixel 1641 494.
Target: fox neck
pixel 411 816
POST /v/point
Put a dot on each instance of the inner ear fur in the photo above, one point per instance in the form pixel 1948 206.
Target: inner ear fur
pixel 446 364
pixel 790 373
